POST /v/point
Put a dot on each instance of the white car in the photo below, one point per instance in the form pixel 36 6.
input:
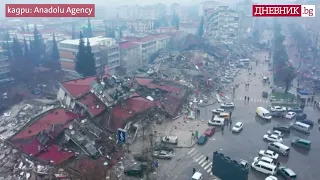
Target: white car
pixel 277 108
pixel 272 138
pixel 276 132
pixel 265 159
pixel 237 127
pixel 227 105
pixel 271 178
pixel 269 153
pixel 163 154
pixel 290 115
pixel 218 111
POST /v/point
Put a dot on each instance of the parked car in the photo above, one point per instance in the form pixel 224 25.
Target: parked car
pixel 278 108
pixel 162 154
pixel 159 147
pixel 286 173
pixel 170 139
pixel 307 121
pixel 290 115
pixel 210 131
pixel 271 178
pixel 284 129
pixel 202 139
pixel 276 114
pixel 300 117
pixel 237 127
pixel 295 109
pixel 134 172
pixel 272 138
pixel 218 111
pixel 276 132
pixel 227 105
pixel 269 153
pixel 306 144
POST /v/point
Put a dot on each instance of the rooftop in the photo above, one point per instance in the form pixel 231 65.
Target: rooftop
pixel 130 107
pixel 147 39
pixel 94 105
pixel 99 40
pixel 79 87
pixel 127 45
pixel 150 83
pixel 45 122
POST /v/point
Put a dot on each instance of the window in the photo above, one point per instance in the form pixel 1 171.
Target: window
pixel 266 168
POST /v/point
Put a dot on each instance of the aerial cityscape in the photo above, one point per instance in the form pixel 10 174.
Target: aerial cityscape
pixel 161 91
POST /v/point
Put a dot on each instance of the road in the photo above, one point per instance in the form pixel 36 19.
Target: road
pixel 248 142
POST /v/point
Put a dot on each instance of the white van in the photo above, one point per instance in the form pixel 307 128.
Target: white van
pixel 279 148
pixel 263 113
pixel 216 121
pixel 300 127
pixel 264 167
pixel 197 176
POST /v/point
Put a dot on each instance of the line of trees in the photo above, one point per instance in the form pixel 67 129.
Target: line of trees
pixel 85 60
pixel 31 53
pixel 283 70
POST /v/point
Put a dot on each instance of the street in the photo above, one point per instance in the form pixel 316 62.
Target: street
pixel 246 144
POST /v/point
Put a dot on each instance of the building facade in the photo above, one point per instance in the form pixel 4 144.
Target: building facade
pixel 222 24
pixel 4 66
pixel 105 50
pixel 140 25
pixel 130 56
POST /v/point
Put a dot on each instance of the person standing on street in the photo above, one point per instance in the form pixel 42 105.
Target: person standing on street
pixel 248 99
pixel 245 98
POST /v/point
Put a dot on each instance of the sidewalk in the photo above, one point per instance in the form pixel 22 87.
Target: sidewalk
pixel 183 130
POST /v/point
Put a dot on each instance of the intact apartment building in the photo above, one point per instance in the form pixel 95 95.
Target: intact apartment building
pixel 148 45
pixel 222 24
pixel 130 56
pixel 140 25
pixel 4 66
pixel 105 50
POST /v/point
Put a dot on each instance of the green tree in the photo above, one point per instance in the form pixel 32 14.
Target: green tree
pixel 283 70
pixel 55 51
pixel 38 47
pixel 200 28
pixel 80 65
pixel 90 61
pixel 289 75
pixel 17 49
pixel 26 52
pixel 89 33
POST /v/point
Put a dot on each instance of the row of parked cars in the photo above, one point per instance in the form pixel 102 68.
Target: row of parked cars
pixel 267 161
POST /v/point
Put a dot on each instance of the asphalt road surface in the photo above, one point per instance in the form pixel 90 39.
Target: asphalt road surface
pixel 246 144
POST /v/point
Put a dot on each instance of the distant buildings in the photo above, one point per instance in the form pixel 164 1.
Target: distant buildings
pixel 207 5
pixel 105 50
pixel 222 24
pixel 4 66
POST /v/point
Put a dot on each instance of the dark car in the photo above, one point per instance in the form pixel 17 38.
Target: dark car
pixel 160 147
pixel 307 121
pixel 295 109
pixel 134 171
pixel 202 139
pixel 140 158
pixel 284 129
pixel 286 173
pixel 300 117
pixel 276 114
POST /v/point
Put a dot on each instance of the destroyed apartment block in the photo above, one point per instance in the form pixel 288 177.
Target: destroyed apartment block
pixel 59 135
pixel 111 90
